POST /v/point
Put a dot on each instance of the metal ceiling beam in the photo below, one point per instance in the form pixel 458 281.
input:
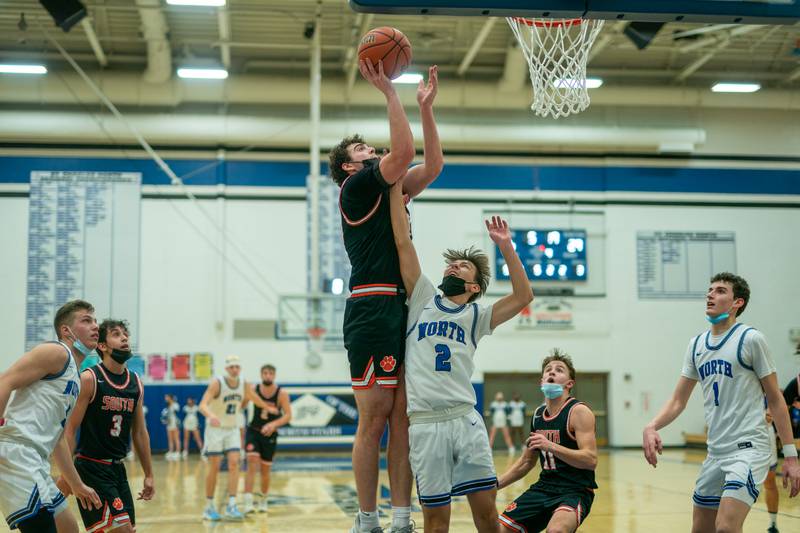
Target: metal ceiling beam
pixel 224 25
pixel 606 36
pixel 476 45
pixel 352 66
pixel 720 45
pixel 91 36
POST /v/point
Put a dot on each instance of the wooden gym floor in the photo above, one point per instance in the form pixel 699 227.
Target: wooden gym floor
pixel 315 493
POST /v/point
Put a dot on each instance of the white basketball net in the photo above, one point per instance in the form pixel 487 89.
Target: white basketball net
pixel 557 52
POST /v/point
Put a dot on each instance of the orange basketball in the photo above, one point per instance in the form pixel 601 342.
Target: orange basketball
pixel 388 45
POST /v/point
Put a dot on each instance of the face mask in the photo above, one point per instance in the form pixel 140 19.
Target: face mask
pixel 552 391
pixel 79 345
pixel 717 319
pixel 453 286
pixel 267 382
pixel 120 356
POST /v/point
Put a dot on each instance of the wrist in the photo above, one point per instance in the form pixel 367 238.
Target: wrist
pixel 789 451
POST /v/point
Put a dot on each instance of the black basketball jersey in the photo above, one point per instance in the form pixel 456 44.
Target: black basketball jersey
pixel 556 474
pixel 106 425
pixel 367 230
pixel 262 417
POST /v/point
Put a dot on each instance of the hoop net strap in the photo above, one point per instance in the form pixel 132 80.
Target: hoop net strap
pixel 557 52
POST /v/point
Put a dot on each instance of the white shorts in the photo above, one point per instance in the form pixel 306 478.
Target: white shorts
pixel 451 458
pixel 26 486
pixel 499 420
pixel 773 447
pixel 734 476
pixel 222 440
pixel 190 423
pixel 172 425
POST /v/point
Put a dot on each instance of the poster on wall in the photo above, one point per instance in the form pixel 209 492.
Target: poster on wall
pixel 83 242
pixel 679 264
pixel 324 415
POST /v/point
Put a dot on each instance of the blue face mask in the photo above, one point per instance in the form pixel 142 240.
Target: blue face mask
pixel 717 319
pixel 80 346
pixel 552 391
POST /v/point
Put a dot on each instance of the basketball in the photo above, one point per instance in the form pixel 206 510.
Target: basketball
pixel 388 45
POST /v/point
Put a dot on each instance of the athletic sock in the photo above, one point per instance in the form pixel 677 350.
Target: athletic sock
pixel 401 517
pixel 368 521
pixel 231 501
pixel 210 503
pixel 773 519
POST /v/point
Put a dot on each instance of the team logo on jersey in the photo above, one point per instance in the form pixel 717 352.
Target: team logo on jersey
pixel 117 504
pixel 388 363
pixel 250 447
pixel 511 506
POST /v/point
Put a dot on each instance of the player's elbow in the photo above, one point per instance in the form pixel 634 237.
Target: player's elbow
pixel 591 460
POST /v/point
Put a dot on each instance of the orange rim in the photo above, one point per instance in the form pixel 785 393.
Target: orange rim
pixel 315 333
pixel 548 23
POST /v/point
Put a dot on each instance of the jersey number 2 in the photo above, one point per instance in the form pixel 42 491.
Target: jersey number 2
pixel 116 425
pixel 442 358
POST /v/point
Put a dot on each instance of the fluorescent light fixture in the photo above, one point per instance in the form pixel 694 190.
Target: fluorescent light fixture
pixel 566 83
pixel 23 69
pixel 408 77
pixel 200 3
pixel 203 73
pixel 735 87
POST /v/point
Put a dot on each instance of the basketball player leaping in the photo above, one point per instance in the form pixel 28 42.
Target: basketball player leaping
pixel 222 406
pixel 450 453
pixel 735 368
pixel 47 384
pixel 108 411
pixel 375 313
pixel 563 437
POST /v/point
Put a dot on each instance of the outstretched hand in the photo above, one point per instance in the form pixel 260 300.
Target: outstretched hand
pixel 375 75
pixel 498 230
pixel 427 92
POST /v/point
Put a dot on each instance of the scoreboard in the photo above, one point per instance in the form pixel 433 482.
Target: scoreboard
pixel 547 254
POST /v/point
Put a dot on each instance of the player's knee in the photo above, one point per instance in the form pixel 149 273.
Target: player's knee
pixel 124 528
pixel 725 526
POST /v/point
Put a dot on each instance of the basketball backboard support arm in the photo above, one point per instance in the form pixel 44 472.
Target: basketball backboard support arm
pixel 717 11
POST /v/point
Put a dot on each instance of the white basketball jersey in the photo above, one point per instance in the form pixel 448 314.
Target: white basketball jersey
pixel 37 414
pixel 227 406
pixel 729 368
pixel 440 346
pixel 517 416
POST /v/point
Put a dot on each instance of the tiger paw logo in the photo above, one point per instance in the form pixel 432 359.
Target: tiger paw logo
pixel 250 447
pixel 388 363
pixel 117 504
pixel 511 507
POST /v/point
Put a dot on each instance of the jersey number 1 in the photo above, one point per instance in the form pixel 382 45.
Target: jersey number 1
pixel 716 393
pixel 442 358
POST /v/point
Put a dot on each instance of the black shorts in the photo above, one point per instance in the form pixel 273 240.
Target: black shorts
pixel 533 510
pixel 110 482
pixel 264 446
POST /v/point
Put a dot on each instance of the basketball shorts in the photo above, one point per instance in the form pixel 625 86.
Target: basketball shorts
pixel 733 476
pixel 374 336
pixel 451 458
pixel 190 423
pixel 499 420
pixel 222 440
pixel 110 482
pixel 26 486
pixel 535 507
pixel 773 448
pixel 260 444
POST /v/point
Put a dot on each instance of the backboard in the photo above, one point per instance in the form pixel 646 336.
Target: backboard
pixel 719 11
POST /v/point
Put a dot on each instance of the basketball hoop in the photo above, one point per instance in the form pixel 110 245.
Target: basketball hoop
pixel 557 51
pixel 316 336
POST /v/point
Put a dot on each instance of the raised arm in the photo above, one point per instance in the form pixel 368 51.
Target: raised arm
pixel 250 395
pixel 410 270
pixel 394 165
pixel 780 417
pixel 520 468
pixel 211 392
pixel 651 441
pixel 420 176
pixel 141 443
pixel 521 295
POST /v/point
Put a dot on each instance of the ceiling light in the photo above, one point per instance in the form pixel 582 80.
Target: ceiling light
pixel 203 73
pixel 408 77
pixel 567 83
pixel 202 3
pixel 23 69
pixel 736 87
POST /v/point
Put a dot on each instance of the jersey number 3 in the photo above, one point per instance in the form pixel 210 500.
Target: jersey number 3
pixel 116 425
pixel 442 358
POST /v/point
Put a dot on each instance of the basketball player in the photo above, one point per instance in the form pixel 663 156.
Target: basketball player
pixel 262 436
pixel 222 406
pixel 563 436
pixel 108 412
pixel 47 384
pixel 450 453
pixel 735 368
pixel 375 313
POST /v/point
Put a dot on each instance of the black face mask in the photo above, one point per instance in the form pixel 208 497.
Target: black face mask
pixel 121 356
pixel 267 382
pixel 453 286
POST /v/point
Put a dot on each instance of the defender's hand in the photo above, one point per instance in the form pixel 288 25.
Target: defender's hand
pixel 426 93
pixel 791 475
pixel 498 230
pixel 87 497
